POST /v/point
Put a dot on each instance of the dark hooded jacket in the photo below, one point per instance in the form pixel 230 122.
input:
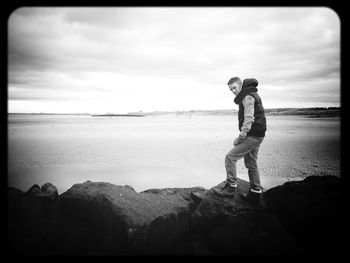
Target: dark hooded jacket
pixel 258 128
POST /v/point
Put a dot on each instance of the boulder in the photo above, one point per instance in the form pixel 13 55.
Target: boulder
pixel 211 206
pixel 312 212
pixel 38 202
pixel 193 195
pixel 233 226
pixel 34 191
pixel 29 226
pixel 31 205
pixel 14 203
pixel 121 221
pixel 253 233
pixel 94 218
pixel 50 191
pixel 48 197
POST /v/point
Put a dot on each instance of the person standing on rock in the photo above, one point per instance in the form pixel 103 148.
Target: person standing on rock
pixel 252 127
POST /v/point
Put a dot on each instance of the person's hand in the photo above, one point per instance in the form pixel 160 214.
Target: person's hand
pixel 240 138
pixel 236 141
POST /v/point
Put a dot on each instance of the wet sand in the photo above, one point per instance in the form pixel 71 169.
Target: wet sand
pixel 162 151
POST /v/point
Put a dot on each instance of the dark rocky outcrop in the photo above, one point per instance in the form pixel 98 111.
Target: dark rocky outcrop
pixel 235 227
pixel 313 213
pixel 99 218
pixel 150 222
pixel 14 198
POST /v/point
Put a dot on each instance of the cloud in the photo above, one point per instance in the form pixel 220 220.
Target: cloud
pixel 78 53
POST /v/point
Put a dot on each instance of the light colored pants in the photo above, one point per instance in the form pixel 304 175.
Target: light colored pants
pixel 248 149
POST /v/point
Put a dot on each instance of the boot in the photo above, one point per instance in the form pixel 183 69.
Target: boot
pixel 226 191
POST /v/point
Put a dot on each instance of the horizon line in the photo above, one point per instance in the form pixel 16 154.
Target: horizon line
pixel 173 111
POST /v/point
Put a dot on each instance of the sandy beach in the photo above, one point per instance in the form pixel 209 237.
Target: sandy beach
pixel 162 151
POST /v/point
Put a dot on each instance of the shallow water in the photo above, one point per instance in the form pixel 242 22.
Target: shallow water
pixel 162 151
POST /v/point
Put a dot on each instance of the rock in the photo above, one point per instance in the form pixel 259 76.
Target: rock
pixel 311 210
pixel 29 227
pixel 188 194
pixel 34 191
pixel 253 233
pixel 14 203
pixel 35 204
pixel 48 197
pixel 31 206
pixel 211 206
pixel 122 221
pixel 129 187
pixel 197 195
pixel 232 226
pixel 50 191
pixel 93 218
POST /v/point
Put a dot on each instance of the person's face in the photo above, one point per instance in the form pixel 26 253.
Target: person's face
pixel 235 88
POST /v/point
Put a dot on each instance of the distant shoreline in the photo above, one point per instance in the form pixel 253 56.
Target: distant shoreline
pixel 117 115
pixel 317 112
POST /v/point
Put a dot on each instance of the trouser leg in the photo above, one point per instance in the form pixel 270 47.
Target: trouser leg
pixel 238 152
pixel 231 168
pixel 249 144
pixel 250 161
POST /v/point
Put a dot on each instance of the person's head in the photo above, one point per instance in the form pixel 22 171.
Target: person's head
pixel 235 85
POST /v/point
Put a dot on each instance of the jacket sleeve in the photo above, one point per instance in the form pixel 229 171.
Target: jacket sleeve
pixel 248 104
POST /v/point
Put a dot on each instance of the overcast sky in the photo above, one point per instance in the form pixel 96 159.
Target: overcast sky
pixel 118 59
